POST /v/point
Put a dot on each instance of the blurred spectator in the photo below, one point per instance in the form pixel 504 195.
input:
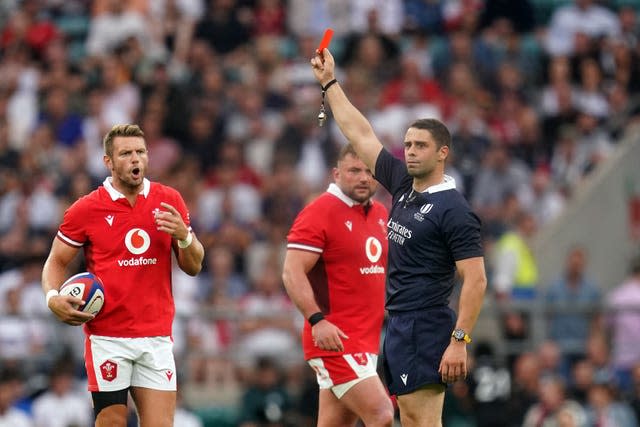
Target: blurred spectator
pixel 370 54
pixel 173 26
pixel 203 140
pixel 267 324
pixel 490 387
pixel 470 140
pixel 551 361
pixel 552 401
pixel 623 315
pixel 11 389
pixel 66 125
pixel 29 27
pixel 573 299
pixel 515 268
pixel 547 203
pixel 22 339
pixel 518 14
pixel 499 176
pixel 64 403
pixel 111 26
pixel 524 388
pixel 184 417
pixel 270 18
pixel 265 402
pixel 582 374
pixel 225 25
pixel 312 17
pixel 590 95
pixel 599 355
pixel 582 17
pixel 634 395
pixel 221 281
pixel 121 101
pixel 230 199
pixel 605 409
pixel 164 152
pixel 376 16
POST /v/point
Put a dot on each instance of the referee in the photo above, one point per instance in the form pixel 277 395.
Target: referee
pixel 432 232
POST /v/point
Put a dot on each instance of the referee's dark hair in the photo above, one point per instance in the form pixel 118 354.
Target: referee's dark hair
pixel 438 130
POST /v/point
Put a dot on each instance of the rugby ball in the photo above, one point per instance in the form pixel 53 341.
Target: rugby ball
pixel 89 288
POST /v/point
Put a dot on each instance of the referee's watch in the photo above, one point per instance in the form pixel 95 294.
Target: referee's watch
pixel 461 335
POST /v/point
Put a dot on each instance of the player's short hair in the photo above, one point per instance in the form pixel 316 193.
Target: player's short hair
pixel 345 151
pixel 438 130
pixel 120 130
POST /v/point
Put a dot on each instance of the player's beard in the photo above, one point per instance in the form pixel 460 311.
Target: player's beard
pixel 130 180
pixel 360 196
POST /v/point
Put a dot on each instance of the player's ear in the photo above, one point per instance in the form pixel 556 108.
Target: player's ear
pixel 335 173
pixel 443 153
pixel 107 161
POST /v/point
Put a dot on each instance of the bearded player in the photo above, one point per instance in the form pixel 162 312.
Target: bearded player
pixel 334 271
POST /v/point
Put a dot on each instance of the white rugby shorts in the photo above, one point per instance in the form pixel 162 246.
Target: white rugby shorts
pixel 118 363
pixel 341 373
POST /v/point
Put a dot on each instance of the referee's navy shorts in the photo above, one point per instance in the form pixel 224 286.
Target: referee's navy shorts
pixel 414 343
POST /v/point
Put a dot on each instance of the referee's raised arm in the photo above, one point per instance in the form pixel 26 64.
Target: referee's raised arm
pixel 354 126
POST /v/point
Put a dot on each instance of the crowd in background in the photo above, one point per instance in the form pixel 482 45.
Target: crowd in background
pixel 537 94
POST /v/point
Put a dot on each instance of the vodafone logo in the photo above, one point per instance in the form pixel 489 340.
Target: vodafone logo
pixel 137 241
pixel 373 249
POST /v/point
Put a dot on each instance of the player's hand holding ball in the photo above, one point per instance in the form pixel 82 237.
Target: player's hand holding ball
pixel 79 300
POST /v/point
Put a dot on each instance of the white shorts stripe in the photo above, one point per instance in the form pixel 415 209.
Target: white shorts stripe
pixel 341 367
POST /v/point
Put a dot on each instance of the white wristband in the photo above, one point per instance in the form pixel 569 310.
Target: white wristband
pixel 51 293
pixel 182 244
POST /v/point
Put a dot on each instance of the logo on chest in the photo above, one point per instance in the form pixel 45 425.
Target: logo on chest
pixel 137 241
pixel 424 209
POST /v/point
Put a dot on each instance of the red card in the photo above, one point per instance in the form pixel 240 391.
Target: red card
pixel 326 39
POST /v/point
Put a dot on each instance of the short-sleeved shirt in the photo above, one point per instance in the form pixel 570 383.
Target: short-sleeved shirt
pixel 349 278
pixel 427 233
pixel 124 248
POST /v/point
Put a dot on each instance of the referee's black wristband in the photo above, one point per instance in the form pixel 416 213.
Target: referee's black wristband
pixel 315 318
pixel 328 85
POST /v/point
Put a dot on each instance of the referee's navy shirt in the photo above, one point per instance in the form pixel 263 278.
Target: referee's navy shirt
pixel 428 232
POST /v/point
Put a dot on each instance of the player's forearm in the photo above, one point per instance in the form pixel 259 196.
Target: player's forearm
pixel 471 300
pixel 300 291
pixel 354 126
pixel 54 273
pixel 190 258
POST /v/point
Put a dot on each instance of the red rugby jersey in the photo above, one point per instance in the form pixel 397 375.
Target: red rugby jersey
pixel 123 247
pixel 349 278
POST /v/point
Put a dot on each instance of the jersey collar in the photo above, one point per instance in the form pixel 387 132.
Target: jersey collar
pixel 336 191
pixel 449 183
pixel 115 194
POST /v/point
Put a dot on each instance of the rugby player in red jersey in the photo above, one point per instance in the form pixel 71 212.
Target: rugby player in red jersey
pixel 128 228
pixel 334 271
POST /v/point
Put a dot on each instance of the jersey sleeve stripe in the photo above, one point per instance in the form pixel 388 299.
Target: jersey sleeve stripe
pixel 304 247
pixel 68 240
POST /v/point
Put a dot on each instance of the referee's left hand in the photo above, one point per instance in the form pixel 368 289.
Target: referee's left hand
pixel 453 366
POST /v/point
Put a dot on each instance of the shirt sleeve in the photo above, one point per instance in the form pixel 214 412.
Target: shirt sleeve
pixel 308 232
pixel 391 172
pixel 462 233
pixel 72 230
